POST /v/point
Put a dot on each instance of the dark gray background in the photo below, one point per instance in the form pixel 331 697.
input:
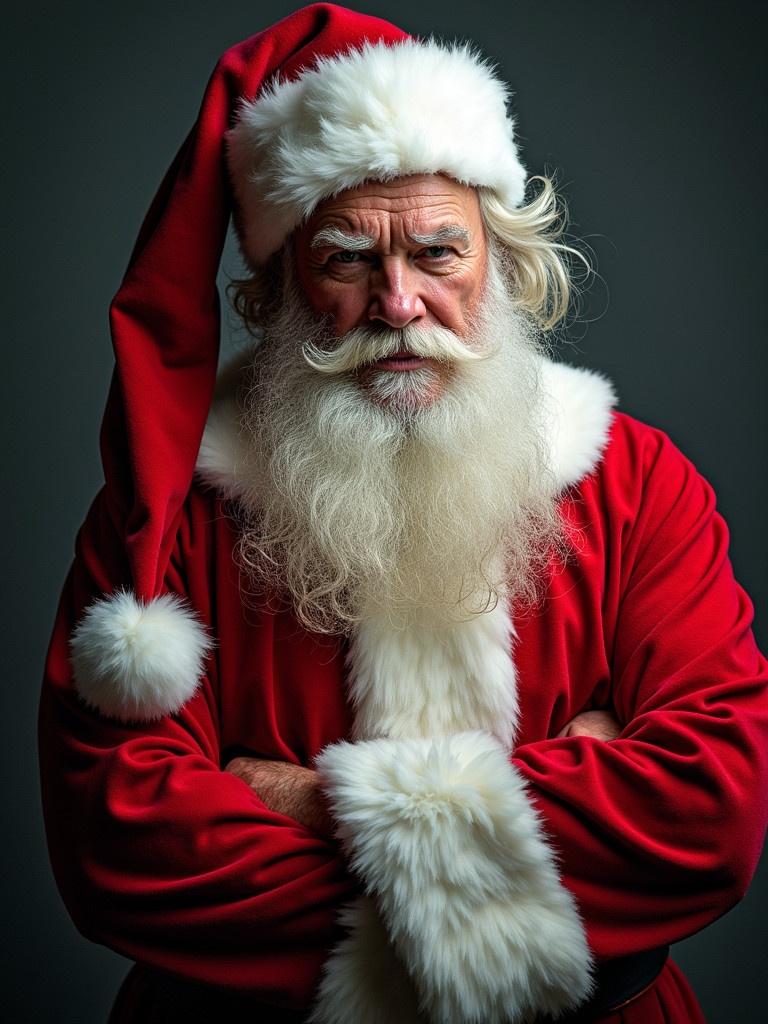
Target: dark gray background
pixel 653 114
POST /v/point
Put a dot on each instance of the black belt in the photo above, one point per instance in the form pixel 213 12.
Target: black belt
pixel 152 996
pixel 617 981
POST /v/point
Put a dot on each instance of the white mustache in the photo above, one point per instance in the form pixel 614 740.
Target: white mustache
pixel 364 345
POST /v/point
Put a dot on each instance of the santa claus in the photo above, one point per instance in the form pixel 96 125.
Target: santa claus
pixel 407 680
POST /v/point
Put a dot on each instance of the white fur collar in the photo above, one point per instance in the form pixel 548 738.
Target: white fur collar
pixel 578 412
pixel 578 418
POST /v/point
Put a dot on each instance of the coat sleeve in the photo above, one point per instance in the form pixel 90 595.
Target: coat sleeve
pixel 160 854
pixel 659 831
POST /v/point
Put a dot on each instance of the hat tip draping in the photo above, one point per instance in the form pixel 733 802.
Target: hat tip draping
pixel 137 655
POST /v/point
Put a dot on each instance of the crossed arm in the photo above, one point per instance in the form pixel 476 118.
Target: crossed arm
pixel 294 791
pixel 174 863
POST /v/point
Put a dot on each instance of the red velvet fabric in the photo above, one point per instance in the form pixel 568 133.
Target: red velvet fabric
pixel 165 317
pixel 172 862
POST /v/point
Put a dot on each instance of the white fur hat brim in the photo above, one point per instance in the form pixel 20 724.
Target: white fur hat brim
pixel 374 113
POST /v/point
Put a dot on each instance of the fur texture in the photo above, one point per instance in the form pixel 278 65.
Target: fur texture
pixel 138 661
pixel 444 835
pixel 378 112
pixel 420 679
pixel 578 420
pixel 224 449
pixel 363 981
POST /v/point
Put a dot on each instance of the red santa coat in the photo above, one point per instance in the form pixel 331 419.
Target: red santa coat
pixel 167 859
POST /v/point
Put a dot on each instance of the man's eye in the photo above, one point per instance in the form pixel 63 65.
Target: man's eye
pixel 346 256
pixel 436 252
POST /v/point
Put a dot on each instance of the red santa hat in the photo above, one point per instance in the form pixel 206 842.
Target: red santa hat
pixel 320 102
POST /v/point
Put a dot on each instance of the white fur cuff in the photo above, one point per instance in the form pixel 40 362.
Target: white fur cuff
pixel 137 660
pixel 363 981
pixel 443 835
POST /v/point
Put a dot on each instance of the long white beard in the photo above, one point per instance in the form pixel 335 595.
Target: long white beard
pixel 364 497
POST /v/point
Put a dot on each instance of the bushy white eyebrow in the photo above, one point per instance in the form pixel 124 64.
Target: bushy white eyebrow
pixel 337 238
pixel 449 233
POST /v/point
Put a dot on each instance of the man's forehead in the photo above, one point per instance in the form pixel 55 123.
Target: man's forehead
pixel 422 204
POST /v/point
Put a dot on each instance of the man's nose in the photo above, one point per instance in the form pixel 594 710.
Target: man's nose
pixel 394 295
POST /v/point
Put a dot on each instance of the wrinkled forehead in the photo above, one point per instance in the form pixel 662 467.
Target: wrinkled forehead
pixel 430 207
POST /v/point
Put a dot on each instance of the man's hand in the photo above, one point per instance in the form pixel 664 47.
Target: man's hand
pixel 600 725
pixel 288 789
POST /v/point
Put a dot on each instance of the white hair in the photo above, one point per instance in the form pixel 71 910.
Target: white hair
pixel 361 499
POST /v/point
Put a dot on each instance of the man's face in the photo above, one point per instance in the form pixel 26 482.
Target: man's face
pixel 426 489
pixel 411 252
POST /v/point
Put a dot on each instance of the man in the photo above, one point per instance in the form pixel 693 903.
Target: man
pixel 317 717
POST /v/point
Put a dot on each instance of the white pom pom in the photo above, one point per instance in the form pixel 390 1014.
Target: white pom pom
pixel 137 660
